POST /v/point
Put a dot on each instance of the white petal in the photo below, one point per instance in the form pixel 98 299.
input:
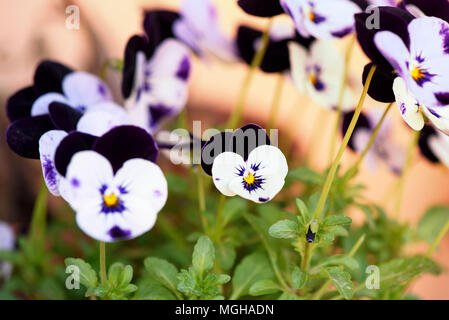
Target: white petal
pixel 393 49
pixel 225 169
pixel 102 120
pixel 7 237
pixel 40 106
pixel 298 58
pixel 441 122
pixel 47 148
pixel 83 89
pixel 439 145
pixel 169 58
pixel 408 106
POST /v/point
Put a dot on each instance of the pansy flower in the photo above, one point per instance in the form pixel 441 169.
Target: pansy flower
pixel 434 145
pixel 155 82
pixel 319 73
pixel 7 243
pixel 423 62
pixel 431 8
pixel 276 58
pixel 391 19
pixel 383 148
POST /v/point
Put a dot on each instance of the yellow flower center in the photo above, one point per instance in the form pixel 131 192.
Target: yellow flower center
pixel 110 200
pixel 311 16
pixel 313 79
pixel 417 73
pixel 249 179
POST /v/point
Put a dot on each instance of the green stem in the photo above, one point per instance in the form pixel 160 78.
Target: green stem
pixel 39 221
pixel 103 275
pixel 335 164
pixel 305 263
pixel 256 62
pixel 407 165
pixel 341 96
pixel 274 111
pixel 202 200
pixel 220 213
pixel 438 239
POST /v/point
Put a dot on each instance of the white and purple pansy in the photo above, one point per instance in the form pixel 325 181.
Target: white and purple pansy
pixel 198 27
pixel 155 85
pixel 383 148
pixel 414 113
pixel 424 63
pixel 7 243
pixel 322 19
pixel 319 73
pixel 258 178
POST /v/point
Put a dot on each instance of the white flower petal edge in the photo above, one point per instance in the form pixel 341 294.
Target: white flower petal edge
pixel 83 89
pixel 47 148
pixel 102 118
pixel 408 106
pixel 258 179
pixel 439 145
pixel 115 207
pixel 40 106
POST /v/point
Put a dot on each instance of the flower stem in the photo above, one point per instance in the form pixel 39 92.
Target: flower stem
pixel 103 275
pixel 274 111
pixel 438 239
pixel 341 96
pixel 305 263
pixel 256 62
pixel 201 200
pixel 335 164
pixel 407 165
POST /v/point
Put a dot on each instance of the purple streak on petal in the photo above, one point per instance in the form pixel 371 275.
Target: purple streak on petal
pixel 102 89
pixel 343 32
pixel 184 69
pixel 158 113
pixel 403 108
pixel 264 199
pixel 49 172
pixel 122 190
pixel 75 182
pixel 118 233
pixel 434 113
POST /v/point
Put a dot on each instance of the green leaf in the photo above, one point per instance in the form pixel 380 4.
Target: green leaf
pixel 232 209
pixel 150 290
pixel 188 283
pixel 263 287
pixel 303 211
pixel 342 281
pixel 341 260
pixel 114 273
pixel 225 255
pixel 203 256
pixel 430 225
pixel 336 221
pixel 88 276
pixel 251 269
pixel 299 278
pixel 163 272
pixel 305 175
pixel 284 229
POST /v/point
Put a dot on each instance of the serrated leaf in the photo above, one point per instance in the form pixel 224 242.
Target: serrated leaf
pixel 88 276
pixel 284 229
pixel 342 281
pixel 336 221
pixel 163 272
pixel 431 223
pixel 263 287
pixel 203 256
pixel 299 278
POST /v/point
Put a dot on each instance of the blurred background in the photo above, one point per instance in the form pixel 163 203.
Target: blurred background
pixel 34 30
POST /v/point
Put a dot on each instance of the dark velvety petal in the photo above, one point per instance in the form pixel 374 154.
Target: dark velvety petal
pixel 64 116
pixel 381 87
pixel 261 8
pixel 246 38
pixel 304 42
pixel 158 113
pixel 432 8
pixel 74 142
pixel 124 143
pixel 390 19
pixel 248 138
pixel 362 122
pixel 23 135
pixel 217 144
pixel 134 45
pixel 363 4
pixel 158 25
pixel 19 104
pixel 49 75
pixel 423 143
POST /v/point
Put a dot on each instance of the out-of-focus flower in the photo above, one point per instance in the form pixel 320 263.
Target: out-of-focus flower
pixel 7 242
pixel 383 148
pixel 276 58
pixel 258 178
pixel 155 83
pixel 423 63
pixel 180 146
pixel 319 73
pixel 322 19
pixel 434 145
pixel 242 141
pixel 391 19
pixel 110 204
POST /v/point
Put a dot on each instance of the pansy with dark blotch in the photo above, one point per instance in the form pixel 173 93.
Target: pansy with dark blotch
pixel 276 58
pixel 423 61
pixel 319 72
pixel 391 19
pixel 383 148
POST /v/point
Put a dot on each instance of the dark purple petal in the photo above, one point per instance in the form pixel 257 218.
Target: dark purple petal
pixel 49 75
pixel 158 113
pixel 431 8
pixel 124 143
pixel 23 135
pixel 118 233
pixel 362 123
pixel 134 45
pixel 390 19
pixel 381 87
pixel 64 116
pixel 423 143
pixel 74 142
pixel 217 144
pixel 363 4
pixel 184 69
pixel 265 8
pixel 443 98
pixel 304 42
pixel 158 25
pixel 19 104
